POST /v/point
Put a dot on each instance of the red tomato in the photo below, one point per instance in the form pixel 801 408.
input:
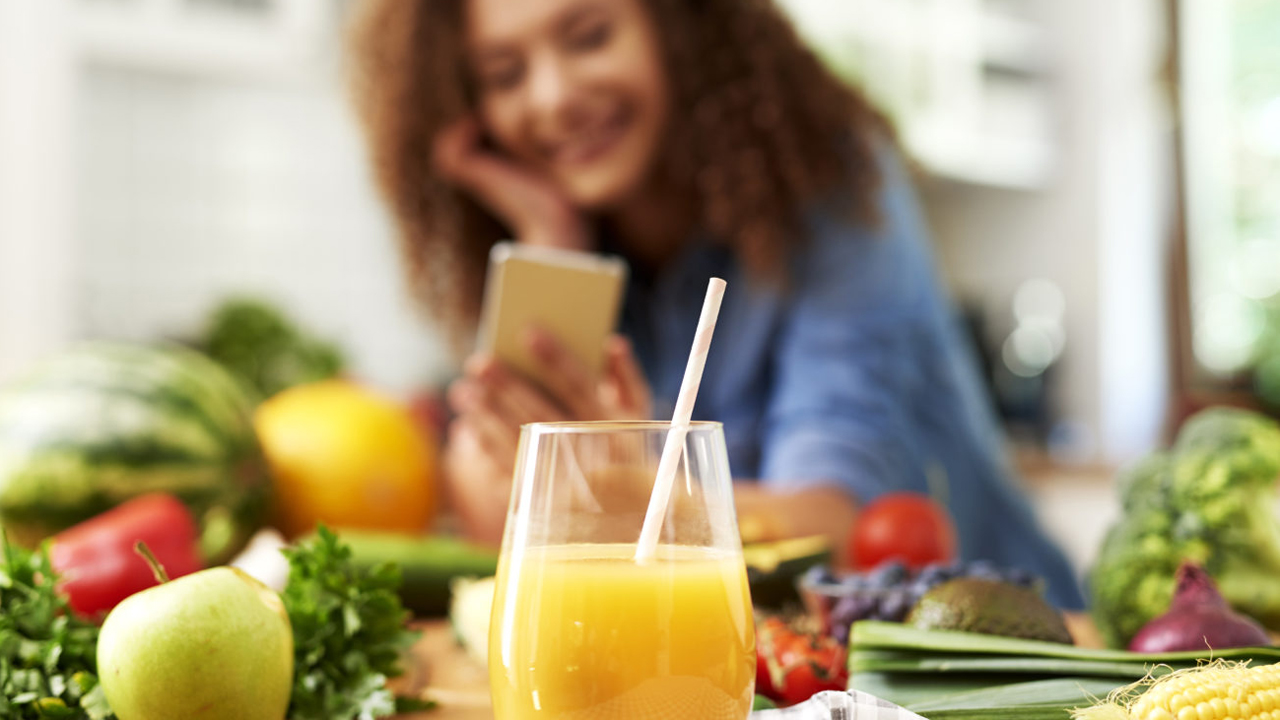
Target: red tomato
pixel 810 665
pixel 764 684
pixel 771 635
pixel 905 526
pixel 822 668
pixel 791 666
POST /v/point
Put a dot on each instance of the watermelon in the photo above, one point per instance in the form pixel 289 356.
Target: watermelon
pixel 101 423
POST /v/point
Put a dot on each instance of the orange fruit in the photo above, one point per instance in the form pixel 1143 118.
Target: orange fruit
pixel 346 456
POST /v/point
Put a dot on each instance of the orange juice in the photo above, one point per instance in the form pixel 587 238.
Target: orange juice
pixel 583 631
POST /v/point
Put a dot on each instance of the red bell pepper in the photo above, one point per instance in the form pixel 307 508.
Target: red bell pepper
pixel 96 559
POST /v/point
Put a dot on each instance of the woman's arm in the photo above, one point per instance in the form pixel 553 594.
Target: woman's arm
pixel 492 402
pixel 768 514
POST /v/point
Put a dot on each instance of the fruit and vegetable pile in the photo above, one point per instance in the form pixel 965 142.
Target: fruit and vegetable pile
pixel 111 446
pixel 215 643
pixel 110 451
pixel 1188 582
pixel 1209 499
pixel 890 591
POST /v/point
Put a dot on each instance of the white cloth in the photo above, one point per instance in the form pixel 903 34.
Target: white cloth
pixel 832 705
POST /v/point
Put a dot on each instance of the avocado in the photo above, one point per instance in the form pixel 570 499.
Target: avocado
pixel 991 608
pixel 774 567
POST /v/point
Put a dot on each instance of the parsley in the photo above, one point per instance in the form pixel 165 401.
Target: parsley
pixel 348 632
pixel 47 655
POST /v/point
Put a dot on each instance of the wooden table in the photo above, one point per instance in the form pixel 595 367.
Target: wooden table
pixel 441 671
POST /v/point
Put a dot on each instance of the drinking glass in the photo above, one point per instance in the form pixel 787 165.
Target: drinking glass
pixel 582 629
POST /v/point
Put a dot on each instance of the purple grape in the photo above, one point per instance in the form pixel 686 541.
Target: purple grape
pixel 855 583
pixel 985 570
pixel 919 587
pixel 820 575
pixel 895 605
pixel 1018 576
pixel 857 606
pixel 933 575
pixel 888 574
pixel 848 610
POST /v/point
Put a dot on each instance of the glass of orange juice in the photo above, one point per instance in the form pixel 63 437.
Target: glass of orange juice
pixel 581 628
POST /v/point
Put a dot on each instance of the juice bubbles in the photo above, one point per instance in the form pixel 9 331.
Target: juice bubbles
pixel 581 631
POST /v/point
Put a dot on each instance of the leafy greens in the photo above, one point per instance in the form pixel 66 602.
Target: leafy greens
pixel 1209 499
pixel 47 655
pixel 348 633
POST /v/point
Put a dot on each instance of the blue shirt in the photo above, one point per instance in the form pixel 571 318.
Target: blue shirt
pixel 855 373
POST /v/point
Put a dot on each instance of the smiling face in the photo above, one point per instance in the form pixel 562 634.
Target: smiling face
pixel 574 88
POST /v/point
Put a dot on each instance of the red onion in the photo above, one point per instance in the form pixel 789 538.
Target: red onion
pixel 1199 618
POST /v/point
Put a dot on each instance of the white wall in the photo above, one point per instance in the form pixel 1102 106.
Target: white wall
pixel 1099 231
pixel 37 102
pixel 137 190
pixel 194 188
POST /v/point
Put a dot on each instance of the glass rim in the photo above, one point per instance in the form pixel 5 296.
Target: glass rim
pixel 600 426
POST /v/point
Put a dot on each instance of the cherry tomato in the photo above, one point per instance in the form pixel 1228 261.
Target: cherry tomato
pixel 905 526
pixel 764 684
pixel 771 634
pixel 819 668
pixel 791 666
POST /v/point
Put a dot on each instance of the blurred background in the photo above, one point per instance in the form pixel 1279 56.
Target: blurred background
pixel 1102 180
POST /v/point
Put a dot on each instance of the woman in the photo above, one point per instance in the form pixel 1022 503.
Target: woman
pixel 694 138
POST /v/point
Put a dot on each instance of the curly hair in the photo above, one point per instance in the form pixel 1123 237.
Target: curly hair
pixel 761 129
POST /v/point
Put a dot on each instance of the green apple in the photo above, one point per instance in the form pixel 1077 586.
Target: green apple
pixel 213 645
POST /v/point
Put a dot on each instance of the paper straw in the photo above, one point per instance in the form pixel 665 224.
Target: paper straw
pixel 656 515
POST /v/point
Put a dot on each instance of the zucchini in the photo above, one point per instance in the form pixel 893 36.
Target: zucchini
pixel 427 563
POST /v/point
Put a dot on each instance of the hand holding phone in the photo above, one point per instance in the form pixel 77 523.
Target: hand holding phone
pixel 573 296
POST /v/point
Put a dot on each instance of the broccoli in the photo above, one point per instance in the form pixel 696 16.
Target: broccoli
pixel 269 353
pixel 1209 499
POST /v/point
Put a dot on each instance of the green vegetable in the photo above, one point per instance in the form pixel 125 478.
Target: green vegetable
pixel 427 564
pixel 99 424
pixel 876 635
pixel 1035 698
pixel 1210 500
pixel 988 607
pixel 47 655
pixel 950 674
pixel 348 632
pixel 760 702
pixel 256 342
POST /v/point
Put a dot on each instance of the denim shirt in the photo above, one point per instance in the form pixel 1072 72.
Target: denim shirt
pixel 855 374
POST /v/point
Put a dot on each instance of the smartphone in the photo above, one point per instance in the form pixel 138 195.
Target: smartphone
pixel 572 295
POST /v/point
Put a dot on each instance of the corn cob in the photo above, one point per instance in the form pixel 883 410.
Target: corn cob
pixel 1216 691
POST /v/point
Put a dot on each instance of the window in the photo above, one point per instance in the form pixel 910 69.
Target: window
pixel 1229 61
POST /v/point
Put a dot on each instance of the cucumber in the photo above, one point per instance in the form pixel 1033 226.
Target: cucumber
pixel 428 564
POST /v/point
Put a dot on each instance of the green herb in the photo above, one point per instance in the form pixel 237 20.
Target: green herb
pixel 47 655
pixel 348 632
